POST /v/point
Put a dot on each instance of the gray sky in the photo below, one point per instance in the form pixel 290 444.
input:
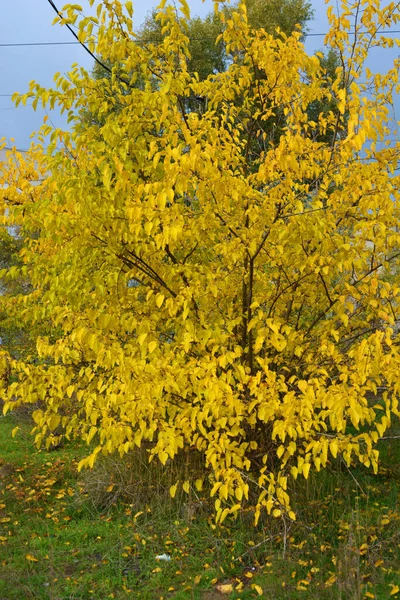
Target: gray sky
pixel 25 21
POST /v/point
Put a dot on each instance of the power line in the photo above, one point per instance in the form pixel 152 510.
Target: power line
pixel 18 44
pixel 14 107
pixel 202 39
pixel 10 148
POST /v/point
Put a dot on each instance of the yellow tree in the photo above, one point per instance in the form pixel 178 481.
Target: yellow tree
pixel 213 288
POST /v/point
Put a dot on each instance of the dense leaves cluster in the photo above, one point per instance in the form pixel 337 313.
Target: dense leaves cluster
pixel 213 285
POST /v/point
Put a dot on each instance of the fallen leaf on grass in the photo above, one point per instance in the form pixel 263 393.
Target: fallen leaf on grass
pixel 395 590
pixel 225 588
pixel 258 589
pixel 329 582
pixel 31 558
pixel 239 586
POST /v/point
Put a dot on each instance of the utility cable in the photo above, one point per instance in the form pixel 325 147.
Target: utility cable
pixel 18 44
pixel 13 149
pixel 138 41
pixel 14 107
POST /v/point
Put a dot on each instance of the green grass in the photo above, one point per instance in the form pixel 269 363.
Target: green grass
pixel 66 535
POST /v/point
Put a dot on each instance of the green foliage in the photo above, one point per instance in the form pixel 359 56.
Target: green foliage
pixel 207 52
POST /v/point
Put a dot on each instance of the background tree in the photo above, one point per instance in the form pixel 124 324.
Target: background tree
pixel 207 53
pixel 210 298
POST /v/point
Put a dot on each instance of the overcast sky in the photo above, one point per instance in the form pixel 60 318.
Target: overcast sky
pixel 27 21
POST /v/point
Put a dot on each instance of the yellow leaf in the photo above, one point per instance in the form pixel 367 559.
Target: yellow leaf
pixel 239 586
pixel 129 8
pixel 15 431
pixel 185 8
pixel 31 558
pixel 239 493
pixel 186 486
pixel 152 346
pixel 341 94
pixel 53 422
pixel 162 197
pixel 198 484
pixel 224 588
pixel 329 582
pixel 258 589
pixel 172 490
pixel 395 590
pixel 306 470
pixel 333 446
pixel 302 385
pixel 159 300
pixel 141 338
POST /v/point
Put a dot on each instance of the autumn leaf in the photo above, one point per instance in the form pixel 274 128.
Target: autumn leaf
pixel 224 588
pixel 31 558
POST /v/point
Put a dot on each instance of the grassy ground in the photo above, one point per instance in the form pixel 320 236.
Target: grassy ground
pixel 69 536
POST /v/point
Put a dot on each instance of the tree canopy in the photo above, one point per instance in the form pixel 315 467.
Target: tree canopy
pixel 214 289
